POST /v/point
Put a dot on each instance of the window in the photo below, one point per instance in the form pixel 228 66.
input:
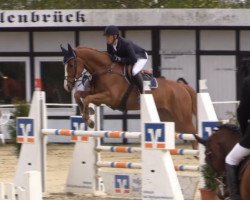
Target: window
pixel 52 76
pixel 13 77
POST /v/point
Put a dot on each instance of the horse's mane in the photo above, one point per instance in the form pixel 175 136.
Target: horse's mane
pixel 231 127
pixel 92 49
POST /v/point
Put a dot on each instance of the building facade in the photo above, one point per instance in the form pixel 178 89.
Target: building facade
pixel 212 44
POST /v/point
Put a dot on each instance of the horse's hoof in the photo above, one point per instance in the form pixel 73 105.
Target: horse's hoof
pixel 91 124
pixel 91 111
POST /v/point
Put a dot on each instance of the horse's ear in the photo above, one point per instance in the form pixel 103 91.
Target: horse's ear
pixel 70 49
pixel 200 140
pixel 63 50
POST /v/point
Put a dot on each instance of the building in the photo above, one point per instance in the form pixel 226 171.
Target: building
pixel 210 44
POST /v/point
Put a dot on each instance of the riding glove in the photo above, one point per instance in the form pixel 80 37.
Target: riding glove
pixel 116 58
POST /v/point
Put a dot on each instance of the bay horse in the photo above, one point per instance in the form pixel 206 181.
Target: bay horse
pixel 217 146
pixel 174 101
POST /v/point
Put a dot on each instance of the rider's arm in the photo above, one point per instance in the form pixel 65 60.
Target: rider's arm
pixel 131 59
pixel 110 49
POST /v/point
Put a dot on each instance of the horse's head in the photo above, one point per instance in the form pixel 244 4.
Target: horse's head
pixel 73 67
pixel 219 144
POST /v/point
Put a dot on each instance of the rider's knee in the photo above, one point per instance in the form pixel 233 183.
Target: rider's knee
pixel 237 154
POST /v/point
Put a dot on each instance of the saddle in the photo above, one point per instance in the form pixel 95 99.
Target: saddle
pixel 146 75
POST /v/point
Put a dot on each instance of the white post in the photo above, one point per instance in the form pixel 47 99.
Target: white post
pixel 33 150
pixel 206 112
pixel 33 185
pixel 21 193
pixel 1 191
pixel 9 191
pixel 159 178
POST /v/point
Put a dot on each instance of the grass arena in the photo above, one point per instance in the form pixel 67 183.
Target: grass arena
pixel 59 158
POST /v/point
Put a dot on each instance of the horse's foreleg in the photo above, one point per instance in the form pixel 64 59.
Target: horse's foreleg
pixel 96 99
pixel 79 96
pixel 78 100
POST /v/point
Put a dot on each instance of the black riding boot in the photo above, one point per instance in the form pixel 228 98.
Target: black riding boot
pixel 232 182
pixel 138 80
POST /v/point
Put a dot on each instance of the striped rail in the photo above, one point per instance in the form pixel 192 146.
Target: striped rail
pixel 105 134
pixel 131 165
pixel 123 149
pixel 184 136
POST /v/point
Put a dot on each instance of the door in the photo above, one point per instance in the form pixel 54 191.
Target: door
pixel 51 73
pixel 220 73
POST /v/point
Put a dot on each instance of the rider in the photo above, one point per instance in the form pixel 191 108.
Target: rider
pixel 241 149
pixel 125 51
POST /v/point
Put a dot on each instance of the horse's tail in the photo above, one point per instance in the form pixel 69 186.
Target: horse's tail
pixel 193 95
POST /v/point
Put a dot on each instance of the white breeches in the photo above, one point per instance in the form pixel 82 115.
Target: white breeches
pixel 139 65
pixel 237 154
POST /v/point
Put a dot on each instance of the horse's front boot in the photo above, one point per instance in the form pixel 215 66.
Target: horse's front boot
pixel 91 111
pixel 233 182
pixel 91 123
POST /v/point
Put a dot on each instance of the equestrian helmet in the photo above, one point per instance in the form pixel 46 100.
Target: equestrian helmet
pixel 111 30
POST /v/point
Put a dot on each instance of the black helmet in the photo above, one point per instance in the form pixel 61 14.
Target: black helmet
pixel 111 30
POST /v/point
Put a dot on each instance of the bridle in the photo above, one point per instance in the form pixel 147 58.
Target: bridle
pixel 74 78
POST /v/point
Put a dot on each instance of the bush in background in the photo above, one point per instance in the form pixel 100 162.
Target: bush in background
pixel 21 109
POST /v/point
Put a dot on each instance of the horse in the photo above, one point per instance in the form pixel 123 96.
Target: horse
pixel 217 146
pixel 174 101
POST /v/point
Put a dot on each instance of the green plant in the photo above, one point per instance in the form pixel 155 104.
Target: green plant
pixel 209 177
pixel 21 109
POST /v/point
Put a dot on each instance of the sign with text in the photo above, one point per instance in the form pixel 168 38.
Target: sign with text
pixel 41 18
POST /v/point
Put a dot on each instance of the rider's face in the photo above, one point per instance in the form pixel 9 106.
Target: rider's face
pixel 110 39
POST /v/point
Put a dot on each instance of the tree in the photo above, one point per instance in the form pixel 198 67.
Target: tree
pixel 119 4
